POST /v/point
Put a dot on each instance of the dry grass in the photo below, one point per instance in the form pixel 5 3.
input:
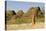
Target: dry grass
pixel 25 26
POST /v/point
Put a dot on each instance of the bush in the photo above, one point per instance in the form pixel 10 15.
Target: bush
pixel 22 20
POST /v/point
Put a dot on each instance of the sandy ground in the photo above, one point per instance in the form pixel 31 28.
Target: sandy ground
pixel 25 26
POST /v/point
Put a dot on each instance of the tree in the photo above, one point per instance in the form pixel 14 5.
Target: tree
pixel 33 12
pixel 20 13
pixel 9 14
pixel 14 13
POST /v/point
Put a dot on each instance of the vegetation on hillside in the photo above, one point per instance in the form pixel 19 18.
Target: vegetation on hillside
pixel 21 17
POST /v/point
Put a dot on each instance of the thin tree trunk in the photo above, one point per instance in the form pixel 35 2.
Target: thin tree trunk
pixel 33 21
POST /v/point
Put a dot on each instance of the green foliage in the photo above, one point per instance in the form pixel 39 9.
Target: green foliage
pixel 9 14
pixel 20 13
pixel 22 20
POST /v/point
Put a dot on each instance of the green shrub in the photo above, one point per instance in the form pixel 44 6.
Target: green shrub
pixel 22 20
